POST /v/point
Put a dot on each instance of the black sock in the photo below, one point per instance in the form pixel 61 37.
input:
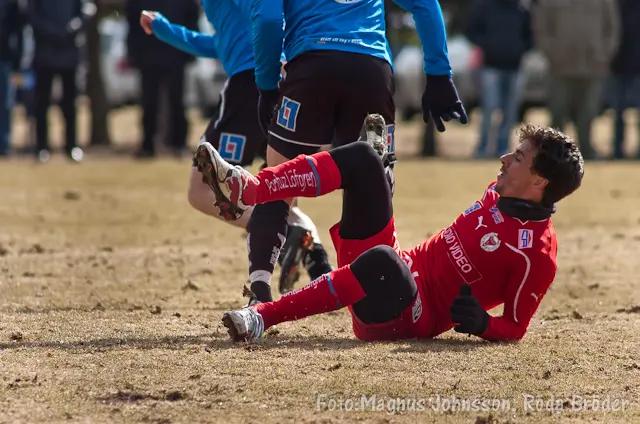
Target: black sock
pixel 262 291
pixel 267 232
pixel 316 262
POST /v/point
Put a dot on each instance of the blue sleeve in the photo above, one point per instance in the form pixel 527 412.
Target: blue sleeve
pixel 427 15
pixel 245 8
pixel 192 42
pixel 267 28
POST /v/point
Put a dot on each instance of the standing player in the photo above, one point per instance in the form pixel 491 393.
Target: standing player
pixel 236 132
pixel 504 245
pixel 338 71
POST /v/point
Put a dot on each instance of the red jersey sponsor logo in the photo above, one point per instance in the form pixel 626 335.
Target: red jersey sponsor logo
pixel 291 179
pixel 525 238
pixel 459 258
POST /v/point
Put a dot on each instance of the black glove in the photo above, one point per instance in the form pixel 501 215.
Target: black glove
pixel 266 108
pixel 467 312
pixel 440 100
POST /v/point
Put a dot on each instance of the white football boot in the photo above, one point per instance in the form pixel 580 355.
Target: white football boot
pixel 374 132
pixel 245 325
pixel 227 181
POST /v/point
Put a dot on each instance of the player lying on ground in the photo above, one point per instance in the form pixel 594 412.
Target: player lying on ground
pixel 504 245
pixel 236 133
pixel 339 69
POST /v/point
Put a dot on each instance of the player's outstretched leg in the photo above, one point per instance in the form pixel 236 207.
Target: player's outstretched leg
pixel 304 176
pixel 378 285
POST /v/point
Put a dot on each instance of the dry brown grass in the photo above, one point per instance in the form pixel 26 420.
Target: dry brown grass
pixel 99 323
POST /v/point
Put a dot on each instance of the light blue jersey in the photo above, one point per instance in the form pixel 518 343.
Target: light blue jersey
pixel 231 42
pixel 356 26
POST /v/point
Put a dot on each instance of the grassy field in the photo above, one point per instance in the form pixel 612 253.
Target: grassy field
pixel 112 290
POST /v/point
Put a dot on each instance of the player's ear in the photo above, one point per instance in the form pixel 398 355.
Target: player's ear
pixel 540 182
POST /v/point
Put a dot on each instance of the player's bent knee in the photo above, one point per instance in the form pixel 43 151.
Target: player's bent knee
pixel 387 283
pixel 380 268
pixel 363 153
pixel 357 161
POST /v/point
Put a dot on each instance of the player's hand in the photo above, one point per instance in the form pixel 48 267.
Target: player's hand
pixel 266 108
pixel 146 19
pixel 440 100
pixel 467 312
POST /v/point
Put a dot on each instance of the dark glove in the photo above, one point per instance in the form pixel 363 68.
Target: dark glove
pixel 467 312
pixel 266 108
pixel 440 99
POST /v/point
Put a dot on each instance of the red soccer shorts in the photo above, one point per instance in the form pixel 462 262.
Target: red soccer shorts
pixel 414 320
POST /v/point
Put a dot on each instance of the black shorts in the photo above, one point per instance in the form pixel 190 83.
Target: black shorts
pixel 326 95
pixel 236 132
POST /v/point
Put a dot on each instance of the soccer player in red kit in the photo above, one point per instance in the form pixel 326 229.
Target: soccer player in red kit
pixel 503 246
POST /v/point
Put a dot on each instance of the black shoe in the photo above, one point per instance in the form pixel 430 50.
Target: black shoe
pixel 299 242
pixel 316 262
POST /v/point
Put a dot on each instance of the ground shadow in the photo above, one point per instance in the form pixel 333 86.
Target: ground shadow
pixel 318 343
pixel 144 343
pixel 216 342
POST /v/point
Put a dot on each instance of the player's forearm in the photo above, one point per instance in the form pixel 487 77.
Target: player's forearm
pixel 268 32
pixel 427 15
pixel 191 42
pixel 501 329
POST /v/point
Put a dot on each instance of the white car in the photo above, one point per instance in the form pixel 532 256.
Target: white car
pixel 122 82
pixel 466 61
pixel 204 78
pixel 410 79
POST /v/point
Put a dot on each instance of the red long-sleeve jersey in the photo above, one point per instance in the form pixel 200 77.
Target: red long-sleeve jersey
pixel 505 260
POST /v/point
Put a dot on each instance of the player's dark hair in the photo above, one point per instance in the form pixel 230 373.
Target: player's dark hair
pixel 558 159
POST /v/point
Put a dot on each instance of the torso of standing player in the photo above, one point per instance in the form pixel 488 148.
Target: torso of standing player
pixel 486 249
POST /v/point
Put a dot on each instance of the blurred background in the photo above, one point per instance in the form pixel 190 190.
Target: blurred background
pixel 570 64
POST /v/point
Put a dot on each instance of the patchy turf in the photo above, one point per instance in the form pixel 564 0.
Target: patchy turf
pixel 113 289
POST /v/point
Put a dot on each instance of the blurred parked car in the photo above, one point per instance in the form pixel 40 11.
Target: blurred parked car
pixel 410 79
pixel 122 83
pixel 204 78
pixel 466 61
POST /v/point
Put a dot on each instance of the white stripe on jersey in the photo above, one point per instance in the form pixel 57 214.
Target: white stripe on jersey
pixel 524 279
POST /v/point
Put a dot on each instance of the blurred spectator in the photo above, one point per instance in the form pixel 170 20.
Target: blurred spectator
pixel 161 66
pixel 626 73
pixel 57 26
pixel 579 39
pixel 502 31
pixel 12 22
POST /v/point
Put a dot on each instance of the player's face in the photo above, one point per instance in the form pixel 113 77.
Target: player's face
pixel 516 178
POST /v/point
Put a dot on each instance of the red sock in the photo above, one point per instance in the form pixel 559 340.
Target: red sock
pixel 303 176
pixel 337 289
